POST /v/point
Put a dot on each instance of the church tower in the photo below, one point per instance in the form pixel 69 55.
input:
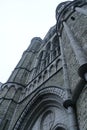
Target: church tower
pixel 47 89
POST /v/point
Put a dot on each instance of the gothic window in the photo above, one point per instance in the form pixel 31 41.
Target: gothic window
pixel 44 63
pixel 54 54
pixel 52 69
pixel 48 47
pixel 47 121
pixel 47 60
pixel 39 78
pixel 31 87
pixel 55 42
pixel 45 75
pixel 48 53
pixel 58 64
pixel 40 60
pixel 35 82
pixel 40 55
pixel 55 47
pixel 39 63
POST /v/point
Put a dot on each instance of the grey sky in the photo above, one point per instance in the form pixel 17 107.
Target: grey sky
pixel 20 21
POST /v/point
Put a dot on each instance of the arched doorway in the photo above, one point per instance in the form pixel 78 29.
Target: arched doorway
pixel 43 112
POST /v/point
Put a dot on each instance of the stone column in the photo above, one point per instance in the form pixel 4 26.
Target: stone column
pixel 64 64
pixel 68 101
pixel 65 74
pixel 72 119
pixel 80 56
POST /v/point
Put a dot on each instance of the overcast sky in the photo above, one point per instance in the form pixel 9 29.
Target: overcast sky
pixel 20 21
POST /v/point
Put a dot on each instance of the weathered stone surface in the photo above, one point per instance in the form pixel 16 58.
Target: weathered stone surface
pixel 41 91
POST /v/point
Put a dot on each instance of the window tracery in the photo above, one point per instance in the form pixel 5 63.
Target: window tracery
pixel 46 56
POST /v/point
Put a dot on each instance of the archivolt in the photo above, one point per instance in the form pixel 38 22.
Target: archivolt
pixel 60 126
pixel 41 101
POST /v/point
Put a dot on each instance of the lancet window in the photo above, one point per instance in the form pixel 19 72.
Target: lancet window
pixel 39 65
pixel 48 53
pixel 55 47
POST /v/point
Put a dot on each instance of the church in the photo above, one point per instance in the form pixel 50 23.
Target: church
pixel 47 89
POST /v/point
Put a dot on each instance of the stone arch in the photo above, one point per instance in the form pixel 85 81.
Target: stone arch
pixel 58 64
pixel 39 78
pixel 43 100
pixel 35 83
pixel 48 115
pixel 52 69
pixel 45 75
pixel 11 91
pixel 60 126
pixel 31 86
pixel 3 91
